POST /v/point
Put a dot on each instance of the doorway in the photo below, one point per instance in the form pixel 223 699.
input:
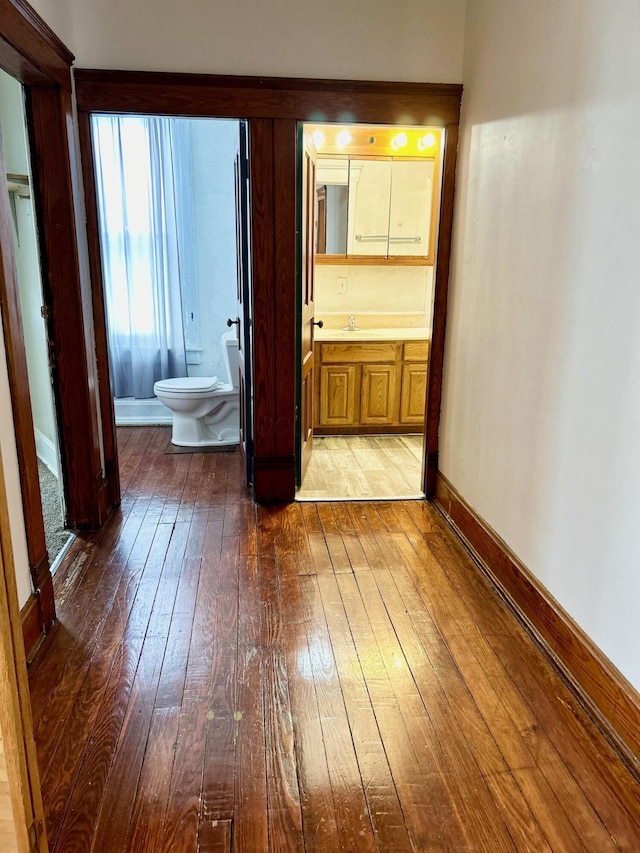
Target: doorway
pixel 33 315
pixel 171 199
pixel 369 205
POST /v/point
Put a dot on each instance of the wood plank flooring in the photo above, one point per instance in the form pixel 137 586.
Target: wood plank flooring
pixel 371 467
pixel 315 677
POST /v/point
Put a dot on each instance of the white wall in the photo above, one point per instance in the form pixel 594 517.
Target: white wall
pixel 394 296
pixel 407 40
pixel 541 413
pixel 213 148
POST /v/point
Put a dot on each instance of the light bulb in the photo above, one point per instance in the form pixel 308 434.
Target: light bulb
pixel 427 141
pixel 318 138
pixel 399 141
pixel 343 138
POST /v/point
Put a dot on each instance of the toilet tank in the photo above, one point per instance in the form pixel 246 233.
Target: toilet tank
pixel 230 353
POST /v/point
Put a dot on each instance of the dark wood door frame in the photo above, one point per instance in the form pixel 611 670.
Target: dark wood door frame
pixel 274 107
pixel 32 53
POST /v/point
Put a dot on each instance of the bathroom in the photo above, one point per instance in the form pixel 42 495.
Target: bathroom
pixel 166 201
pixel 375 224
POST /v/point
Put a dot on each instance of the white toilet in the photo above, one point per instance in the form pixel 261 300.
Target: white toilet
pixel 205 410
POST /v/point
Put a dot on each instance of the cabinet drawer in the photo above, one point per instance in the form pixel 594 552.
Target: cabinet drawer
pixel 416 351
pixel 356 352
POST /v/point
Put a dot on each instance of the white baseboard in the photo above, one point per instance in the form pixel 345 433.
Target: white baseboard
pixel 131 412
pixel 47 452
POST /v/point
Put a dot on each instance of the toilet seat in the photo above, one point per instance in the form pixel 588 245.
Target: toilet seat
pixel 189 385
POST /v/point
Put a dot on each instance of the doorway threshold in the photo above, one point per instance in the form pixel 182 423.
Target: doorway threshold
pixel 62 553
pixel 360 498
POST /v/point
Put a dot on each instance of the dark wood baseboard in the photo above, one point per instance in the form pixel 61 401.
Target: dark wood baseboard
pixel 32 628
pixel 274 479
pixel 606 693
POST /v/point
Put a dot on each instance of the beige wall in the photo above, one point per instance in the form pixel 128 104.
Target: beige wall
pixel 373 40
pixel 57 13
pixel 376 291
pixel 541 422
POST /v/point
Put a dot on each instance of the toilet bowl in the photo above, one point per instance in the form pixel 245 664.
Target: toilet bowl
pixel 205 410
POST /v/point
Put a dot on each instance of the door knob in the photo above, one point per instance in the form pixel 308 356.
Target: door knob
pixel 318 323
pixel 235 322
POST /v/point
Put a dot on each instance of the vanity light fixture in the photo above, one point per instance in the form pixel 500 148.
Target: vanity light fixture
pixel 343 138
pixel 426 141
pixel 318 138
pixel 399 141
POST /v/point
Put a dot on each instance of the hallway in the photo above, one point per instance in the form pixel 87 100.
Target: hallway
pixel 331 676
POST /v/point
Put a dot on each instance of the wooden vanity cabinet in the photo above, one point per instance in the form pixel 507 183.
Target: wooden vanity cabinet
pixel 413 395
pixel 369 387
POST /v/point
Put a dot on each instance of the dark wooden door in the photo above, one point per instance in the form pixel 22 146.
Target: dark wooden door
pixel 244 312
pixel 11 319
pixel 307 301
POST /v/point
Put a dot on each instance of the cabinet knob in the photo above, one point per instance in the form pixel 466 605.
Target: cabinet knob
pixel 231 322
pixel 318 323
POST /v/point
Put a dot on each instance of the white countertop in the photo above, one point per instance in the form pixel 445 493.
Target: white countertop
pixel 390 334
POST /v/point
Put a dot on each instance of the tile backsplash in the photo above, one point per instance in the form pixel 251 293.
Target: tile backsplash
pixel 376 295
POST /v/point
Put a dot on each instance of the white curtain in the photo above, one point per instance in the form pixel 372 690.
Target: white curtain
pixel 143 256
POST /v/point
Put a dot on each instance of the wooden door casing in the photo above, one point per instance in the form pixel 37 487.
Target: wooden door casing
pixel 307 312
pixel 275 107
pixel 243 297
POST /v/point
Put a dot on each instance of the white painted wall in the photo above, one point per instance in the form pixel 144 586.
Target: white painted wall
pixel 541 419
pixel 28 265
pixel 407 40
pixel 213 149
pixel 397 296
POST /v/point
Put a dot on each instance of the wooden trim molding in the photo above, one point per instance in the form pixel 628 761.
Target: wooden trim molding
pixel 15 704
pixel 274 479
pixel 273 107
pixel 32 632
pixel 299 99
pixel 29 49
pixel 110 487
pixel 610 698
pixel 67 294
pixel 440 301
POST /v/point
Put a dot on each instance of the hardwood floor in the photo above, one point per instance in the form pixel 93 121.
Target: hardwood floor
pixel 331 676
pixel 364 466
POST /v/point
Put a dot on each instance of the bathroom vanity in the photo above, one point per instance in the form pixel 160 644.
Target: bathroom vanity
pixel 370 381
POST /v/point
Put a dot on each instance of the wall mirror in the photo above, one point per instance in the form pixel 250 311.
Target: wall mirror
pixel 376 194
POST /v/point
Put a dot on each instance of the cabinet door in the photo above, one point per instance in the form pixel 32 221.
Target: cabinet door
pixel 368 216
pixel 338 395
pixel 413 393
pixel 379 394
pixel 411 201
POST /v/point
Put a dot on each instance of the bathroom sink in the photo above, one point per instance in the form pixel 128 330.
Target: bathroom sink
pixel 386 334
